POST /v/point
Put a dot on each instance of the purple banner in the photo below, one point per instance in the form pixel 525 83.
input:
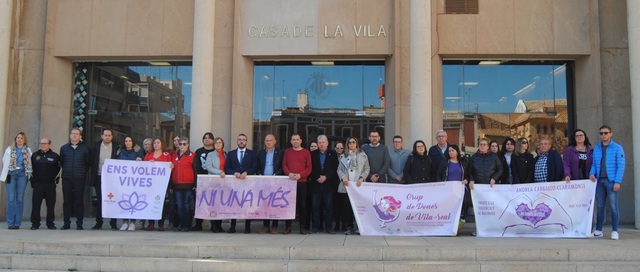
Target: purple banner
pixel 256 197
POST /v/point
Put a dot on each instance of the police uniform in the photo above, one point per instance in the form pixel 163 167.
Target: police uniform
pixel 46 166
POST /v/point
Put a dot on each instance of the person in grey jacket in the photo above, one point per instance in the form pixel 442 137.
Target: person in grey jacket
pixel 353 167
pixel 397 160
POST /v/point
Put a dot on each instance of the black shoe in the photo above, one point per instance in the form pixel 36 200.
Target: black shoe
pixel 65 227
pixel 196 228
pixel 52 228
pixel 114 228
pixel 96 227
pixel 217 229
pixel 247 230
pixel 79 228
pixel 231 230
pixel 313 231
pixel 34 228
pixel 331 232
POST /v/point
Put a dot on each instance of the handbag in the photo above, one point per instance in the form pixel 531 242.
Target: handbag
pixel 8 180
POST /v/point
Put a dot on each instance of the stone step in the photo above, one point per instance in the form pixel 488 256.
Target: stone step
pixel 362 253
pixel 24 262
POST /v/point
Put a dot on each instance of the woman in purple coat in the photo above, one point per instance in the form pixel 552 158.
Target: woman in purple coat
pixel 578 157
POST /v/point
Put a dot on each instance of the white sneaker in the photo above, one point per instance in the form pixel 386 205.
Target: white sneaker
pixel 124 226
pixel 615 235
pixel 132 227
pixel 596 234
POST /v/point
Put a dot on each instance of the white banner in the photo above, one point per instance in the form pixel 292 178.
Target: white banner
pixel 134 189
pixel 548 210
pixel 427 209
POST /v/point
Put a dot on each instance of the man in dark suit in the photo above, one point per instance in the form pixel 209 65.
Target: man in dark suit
pixel 240 163
pixel 270 164
pixel 102 150
pixel 323 184
pixel 440 151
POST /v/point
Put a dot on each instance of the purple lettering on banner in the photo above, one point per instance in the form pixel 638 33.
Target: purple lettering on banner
pixel 256 197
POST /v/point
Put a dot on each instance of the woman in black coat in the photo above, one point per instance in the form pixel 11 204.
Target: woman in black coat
pixel 522 163
pixel 418 166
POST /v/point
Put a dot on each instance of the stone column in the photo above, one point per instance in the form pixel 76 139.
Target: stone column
pixel 6 9
pixel 420 71
pixel 202 71
pixel 633 26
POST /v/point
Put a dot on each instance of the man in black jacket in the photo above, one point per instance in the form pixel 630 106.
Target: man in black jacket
pixel 270 164
pixel 74 160
pixel 46 166
pixel 323 183
pixel 102 150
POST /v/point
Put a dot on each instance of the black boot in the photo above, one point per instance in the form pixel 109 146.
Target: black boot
pixel 232 227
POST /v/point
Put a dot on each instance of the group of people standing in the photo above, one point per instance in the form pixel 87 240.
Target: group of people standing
pixel 321 174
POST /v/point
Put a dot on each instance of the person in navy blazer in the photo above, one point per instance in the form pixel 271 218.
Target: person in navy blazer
pixel 323 184
pixel 274 170
pixel 240 163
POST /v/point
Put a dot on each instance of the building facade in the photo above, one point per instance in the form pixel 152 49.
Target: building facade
pixel 53 50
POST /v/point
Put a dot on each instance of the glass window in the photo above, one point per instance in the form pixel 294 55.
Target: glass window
pixel 136 99
pixel 502 99
pixel 338 99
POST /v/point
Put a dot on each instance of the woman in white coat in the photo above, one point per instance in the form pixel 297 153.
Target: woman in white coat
pixel 16 170
pixel 353 169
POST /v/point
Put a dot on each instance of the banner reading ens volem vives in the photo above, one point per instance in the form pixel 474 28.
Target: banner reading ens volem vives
pixel 427 209
pixel 550 209
pixel 134 189
pixel 256 197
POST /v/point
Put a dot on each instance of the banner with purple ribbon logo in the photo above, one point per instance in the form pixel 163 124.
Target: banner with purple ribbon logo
pixel 427 209
pixel 256 197
pixel 134 189
pixel 547 210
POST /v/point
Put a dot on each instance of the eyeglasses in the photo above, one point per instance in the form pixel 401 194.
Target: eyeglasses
pixel 483 144
pixel 579 135
pixel 352 142
pixel 604 133
pixel 183 144
pixel 525 142
pixel 44 143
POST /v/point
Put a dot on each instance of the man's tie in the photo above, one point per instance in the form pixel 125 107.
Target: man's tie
pixel 241 156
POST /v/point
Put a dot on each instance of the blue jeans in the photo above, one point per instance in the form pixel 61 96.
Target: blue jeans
pixel 15 197
pixel 317 199
pixel 604 190
pixel 184 214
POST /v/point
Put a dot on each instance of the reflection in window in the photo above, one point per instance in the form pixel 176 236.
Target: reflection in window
pixel 338 99
pixel 139 100
pixel 501 99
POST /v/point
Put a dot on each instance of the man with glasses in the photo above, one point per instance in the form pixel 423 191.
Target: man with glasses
pixel 439 151
pixel 378 155
pixel 397 159
pixel 240 163
pixel 608 169
pixel 548 165
pixel 46 167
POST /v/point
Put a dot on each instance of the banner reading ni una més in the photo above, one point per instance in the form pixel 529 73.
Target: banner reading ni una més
pixel 256 197
pixel 547 210
pixel 134 189
pixel 427 209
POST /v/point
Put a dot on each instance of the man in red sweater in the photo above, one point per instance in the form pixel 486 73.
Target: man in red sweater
pixel 297 165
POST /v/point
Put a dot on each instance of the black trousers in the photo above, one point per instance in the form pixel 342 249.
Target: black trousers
pixel 301 206
pixel 97 185
pixel 347 211
pixel 73 196
pixel 46 191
